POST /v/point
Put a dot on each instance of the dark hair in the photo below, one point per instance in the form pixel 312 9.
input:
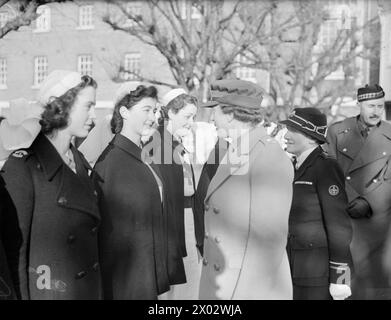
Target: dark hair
pixel 247 115
pixel 177 104
pixel 132 98
pixel 56 112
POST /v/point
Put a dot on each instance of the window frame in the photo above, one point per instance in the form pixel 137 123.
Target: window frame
pixel 81 26
pixel 36 84
pixel 89 62
pixel 43 27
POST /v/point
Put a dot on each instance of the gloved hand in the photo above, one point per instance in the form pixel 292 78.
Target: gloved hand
pixel 339 291
pixel 359 208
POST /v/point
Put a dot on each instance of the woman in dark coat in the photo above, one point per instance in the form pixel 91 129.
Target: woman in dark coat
pixel 184 209
pixel 320 230
pixel 57 209
pixel 133 250
pixel 7 232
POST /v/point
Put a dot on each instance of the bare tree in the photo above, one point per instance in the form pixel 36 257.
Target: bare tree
pixel 25 12
pixel 300 64
pixel 201 41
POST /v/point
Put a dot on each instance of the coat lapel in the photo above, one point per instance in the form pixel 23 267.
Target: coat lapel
pixel 350 140
pixel 126 145
pixel 307 163
pixel 74 191
pixel 376 146
pixel 225 170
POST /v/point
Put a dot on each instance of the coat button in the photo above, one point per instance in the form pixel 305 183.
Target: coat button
pixel 94 230
pixel 39 166
pixel 384 153
pixel 206 235
pixel 95 193
pixel 348 178
pixel 62 201
pixel 217 267
pixel 206 207
pixel 217 240
pixel 205 262
pixel 344 149
pixel 216 210
pixel 71 239
pixel 95 267
pixel 374 180
pixel 80 275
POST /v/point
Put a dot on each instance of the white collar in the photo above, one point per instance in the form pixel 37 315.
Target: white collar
pixel 304 155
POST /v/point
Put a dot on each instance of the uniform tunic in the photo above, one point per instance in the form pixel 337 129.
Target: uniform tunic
pixel 246 220
pixel 133 246
pixel 367 170
pixel 319 228
pixel 58 219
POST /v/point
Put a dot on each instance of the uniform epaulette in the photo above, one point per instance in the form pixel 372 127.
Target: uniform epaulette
pixel 21 154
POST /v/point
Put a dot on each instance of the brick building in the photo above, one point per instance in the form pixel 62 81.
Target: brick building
pixel 73 36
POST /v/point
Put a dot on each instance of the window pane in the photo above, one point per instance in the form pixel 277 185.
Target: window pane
pixel 131 66
pixel 85 64
pixel 3 72
pixel 40 69
pixel 85 16
pixel 43 21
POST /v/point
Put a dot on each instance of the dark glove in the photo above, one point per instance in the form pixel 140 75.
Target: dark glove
pixel 359 208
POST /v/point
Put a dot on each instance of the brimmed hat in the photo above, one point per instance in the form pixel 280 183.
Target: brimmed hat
pixel 56 84
pixel 21 126
pixel 370 93
pixel 238 93
pixel 309 121
pixel 171 95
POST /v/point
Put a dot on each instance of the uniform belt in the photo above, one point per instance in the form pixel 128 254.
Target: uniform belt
pixel 189 201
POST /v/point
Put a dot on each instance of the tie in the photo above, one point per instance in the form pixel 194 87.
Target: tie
pixel 294 161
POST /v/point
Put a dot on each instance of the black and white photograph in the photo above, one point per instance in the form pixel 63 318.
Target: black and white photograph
pixel 202 150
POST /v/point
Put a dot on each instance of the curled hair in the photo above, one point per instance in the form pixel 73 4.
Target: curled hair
pixel 254 116
pixel 56 112
pixel 177 104
pixel 128 101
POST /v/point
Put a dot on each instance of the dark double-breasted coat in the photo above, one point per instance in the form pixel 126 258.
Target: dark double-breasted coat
pixel 367 169
pixel 133 247
pixel 166 154
pixel 8 232
pixel 58 218
pixel 320 231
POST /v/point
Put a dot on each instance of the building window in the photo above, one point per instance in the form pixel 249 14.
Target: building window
pixel 40 70
pixel 3 73
pixel 243 72
pixel 84 64
pixel 132 9
pixel 86 19
pixel 42 24
pixel 3 19
pixel 131 66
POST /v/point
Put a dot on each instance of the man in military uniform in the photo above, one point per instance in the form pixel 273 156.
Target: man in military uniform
pixel 362 147
pixel 320 231
pixel 247 204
